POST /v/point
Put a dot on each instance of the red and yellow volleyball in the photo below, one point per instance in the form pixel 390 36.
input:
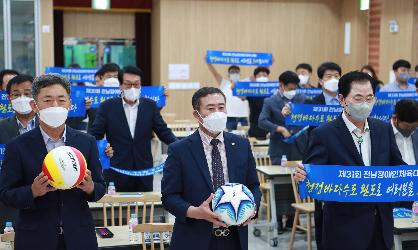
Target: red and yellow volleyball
pixel 65 167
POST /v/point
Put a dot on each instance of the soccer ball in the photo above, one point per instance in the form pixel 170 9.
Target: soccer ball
pixel 234 203
pixel 65 166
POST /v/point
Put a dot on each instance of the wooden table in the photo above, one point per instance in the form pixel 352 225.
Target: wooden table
pixel 404 230
pixel 119 240
pixel 277 175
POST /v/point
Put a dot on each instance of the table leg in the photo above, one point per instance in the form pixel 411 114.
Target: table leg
pixel 398 242
pixel 273 207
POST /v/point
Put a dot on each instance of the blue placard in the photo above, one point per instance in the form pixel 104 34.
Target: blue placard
pixel 239 58
pixel 312 115
pixel 78 108
pixel 315 115
pixel 360 183
pixel 104 159
pixel 6 109
pixel 101 94
pixel 74 75
pixel 2 149
pixel 258 89
pixel 402 213
pixel 309 92
pixel 412 80
pixel 291 140
pixel 391 98
pixel 155 93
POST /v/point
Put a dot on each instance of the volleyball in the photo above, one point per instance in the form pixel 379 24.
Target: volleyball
pixel 234 203
pixel 65 166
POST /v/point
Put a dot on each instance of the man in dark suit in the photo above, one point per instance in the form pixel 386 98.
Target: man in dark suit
pixel 128 123
pixel 404 124
pixel 328 72
pixel 19 91
pixel 353 139
pixel 50 219
pixel 196 166
pixel 273 120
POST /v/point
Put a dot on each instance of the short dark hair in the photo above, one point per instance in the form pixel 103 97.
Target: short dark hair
pixel 327 66
pixel 288 77
pixel 47 80
pixel 7 72
pixel 202 92
pixel 401 63
pixel 233 67
pixel 261 69
pixel 18 80
pixel 407 111
pixel 108 67
pixel 345 82
pixel 130 70
pixel 416 68
pixel 306 66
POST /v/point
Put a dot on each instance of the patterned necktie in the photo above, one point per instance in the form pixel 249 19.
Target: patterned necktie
pixel 217 169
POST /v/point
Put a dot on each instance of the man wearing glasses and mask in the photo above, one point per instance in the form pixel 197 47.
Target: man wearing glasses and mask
pixel 354 139
pixel 128 123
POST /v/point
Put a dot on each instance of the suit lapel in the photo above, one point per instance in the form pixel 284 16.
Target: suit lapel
pixel 374 139
pixel 14 129
pixel 69 137
pixel 138 116
pixel 231 154
pixel 198 153
pixel 38 145
pixel 347 140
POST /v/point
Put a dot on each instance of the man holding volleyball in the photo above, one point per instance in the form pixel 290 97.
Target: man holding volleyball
pixel 50 219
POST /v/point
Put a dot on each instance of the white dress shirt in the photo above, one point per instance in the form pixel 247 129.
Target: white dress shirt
pixel 207 147
pixel 405 145
pixel 131 113
pixel 356 133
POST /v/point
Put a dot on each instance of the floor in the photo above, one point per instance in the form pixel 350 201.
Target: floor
pixel 259 243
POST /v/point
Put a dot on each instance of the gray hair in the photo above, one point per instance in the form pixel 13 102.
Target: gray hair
pixel 47 80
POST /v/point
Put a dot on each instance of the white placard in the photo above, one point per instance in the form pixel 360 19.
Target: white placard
pixel 178 72
pixel 184 85
pixel 347 37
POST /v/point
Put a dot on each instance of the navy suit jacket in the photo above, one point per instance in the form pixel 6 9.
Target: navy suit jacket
pixel 38 220
pixel 187 182
pixel 350 225
pixel 130 153
pixel 271 117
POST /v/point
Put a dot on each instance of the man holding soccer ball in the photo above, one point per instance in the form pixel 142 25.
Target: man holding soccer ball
pixel 196 167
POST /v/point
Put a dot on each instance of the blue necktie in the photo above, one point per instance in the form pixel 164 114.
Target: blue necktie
pixel 217 169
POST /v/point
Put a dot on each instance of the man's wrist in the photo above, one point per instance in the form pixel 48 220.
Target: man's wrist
pixel 191 212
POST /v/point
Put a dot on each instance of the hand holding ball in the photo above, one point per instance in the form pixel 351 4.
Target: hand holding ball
pixel 233 203
pixel 65 167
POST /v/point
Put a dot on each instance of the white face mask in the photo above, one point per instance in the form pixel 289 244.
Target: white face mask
pixel 53 116
pixel 331 85
pixel 132 94
pixel 289 94
pixel 214 122
pixel 359 111
pixel 111 82
pixel 303 79
pixel 22 105
pixel 262 79
pixel 234 77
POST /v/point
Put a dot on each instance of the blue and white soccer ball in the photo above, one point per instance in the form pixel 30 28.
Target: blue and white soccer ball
pixel 234 203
